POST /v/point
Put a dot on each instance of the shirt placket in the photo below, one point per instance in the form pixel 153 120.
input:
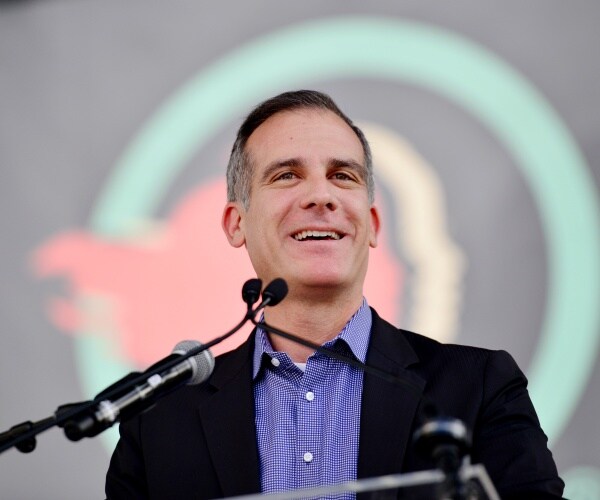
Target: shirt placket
pixel 310 440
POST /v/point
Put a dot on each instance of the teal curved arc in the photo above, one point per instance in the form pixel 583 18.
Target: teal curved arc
pixel 432 58
pixel 582 483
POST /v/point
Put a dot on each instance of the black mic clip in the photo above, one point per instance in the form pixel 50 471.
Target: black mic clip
pixel 447 442
pixel 27 445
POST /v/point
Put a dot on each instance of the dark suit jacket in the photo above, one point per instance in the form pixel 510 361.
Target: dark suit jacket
pixel 200 441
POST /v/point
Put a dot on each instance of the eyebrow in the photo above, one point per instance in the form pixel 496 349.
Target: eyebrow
pixel 350 164
pixel 299 163
pixel 277 164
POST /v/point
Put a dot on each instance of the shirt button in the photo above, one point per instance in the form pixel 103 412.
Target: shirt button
pixel 275 362
pixel 310 395
pixel 308 456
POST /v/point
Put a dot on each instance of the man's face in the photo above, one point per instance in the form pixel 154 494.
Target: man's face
pixel 309 220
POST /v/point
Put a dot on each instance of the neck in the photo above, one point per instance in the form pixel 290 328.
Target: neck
pixel 316 320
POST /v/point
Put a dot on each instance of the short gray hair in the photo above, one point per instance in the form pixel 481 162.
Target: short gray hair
pixel 240 167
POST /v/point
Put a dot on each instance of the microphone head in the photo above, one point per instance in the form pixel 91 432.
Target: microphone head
pixel 251 291
pixel 202 363
pixel 275 291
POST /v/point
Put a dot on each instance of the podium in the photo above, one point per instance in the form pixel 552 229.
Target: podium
pixel 428 484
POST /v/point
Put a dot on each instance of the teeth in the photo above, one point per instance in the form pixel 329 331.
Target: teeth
pixel 316 234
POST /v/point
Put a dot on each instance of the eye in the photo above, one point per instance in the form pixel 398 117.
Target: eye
pixel 285 176
pixel 343 176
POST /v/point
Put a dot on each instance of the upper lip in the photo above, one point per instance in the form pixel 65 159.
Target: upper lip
pixel 313 231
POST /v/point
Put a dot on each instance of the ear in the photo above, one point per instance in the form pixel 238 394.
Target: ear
pixel 232 224
pixel 375 226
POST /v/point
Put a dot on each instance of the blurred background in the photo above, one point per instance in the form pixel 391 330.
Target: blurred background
pixel 116 120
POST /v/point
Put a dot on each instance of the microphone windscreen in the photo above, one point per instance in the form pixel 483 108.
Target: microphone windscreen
pixel 251 291
pixel 275 291
pixel 202 363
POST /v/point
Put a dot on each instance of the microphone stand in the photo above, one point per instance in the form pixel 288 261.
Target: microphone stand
pixel 23 435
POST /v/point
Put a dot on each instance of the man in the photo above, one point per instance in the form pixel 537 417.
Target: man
pixel 277 416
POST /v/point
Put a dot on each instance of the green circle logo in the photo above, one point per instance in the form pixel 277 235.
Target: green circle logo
pixel 444 63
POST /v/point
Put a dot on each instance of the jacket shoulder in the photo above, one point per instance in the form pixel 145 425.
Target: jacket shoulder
pixel 473 376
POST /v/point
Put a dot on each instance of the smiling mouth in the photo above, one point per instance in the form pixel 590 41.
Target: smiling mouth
pixel 317 235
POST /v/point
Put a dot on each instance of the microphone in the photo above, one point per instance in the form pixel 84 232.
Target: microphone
pixel 251 292
pixel 273 294
pixel 196 367
pixel 193 370
pixel 120 401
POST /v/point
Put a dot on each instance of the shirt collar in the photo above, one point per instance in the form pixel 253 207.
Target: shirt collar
pixel 355 335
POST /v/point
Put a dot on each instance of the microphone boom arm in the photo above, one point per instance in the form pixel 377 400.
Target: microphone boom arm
pixel 22 436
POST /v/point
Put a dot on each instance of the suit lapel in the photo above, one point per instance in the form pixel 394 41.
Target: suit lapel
pixel 228 422
pixel 387 409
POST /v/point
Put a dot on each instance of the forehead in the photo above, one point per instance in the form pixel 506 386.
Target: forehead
pixel 306 134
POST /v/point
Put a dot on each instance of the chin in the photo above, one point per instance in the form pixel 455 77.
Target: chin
pixel 323 280
pixel 321 277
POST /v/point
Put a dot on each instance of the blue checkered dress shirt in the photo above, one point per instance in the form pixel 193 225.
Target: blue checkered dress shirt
pixel 308 423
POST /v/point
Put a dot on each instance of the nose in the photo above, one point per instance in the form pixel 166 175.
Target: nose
pixel 319 193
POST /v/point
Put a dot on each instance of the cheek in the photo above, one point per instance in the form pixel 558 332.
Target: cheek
pixel 277 213
pixel 263 222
